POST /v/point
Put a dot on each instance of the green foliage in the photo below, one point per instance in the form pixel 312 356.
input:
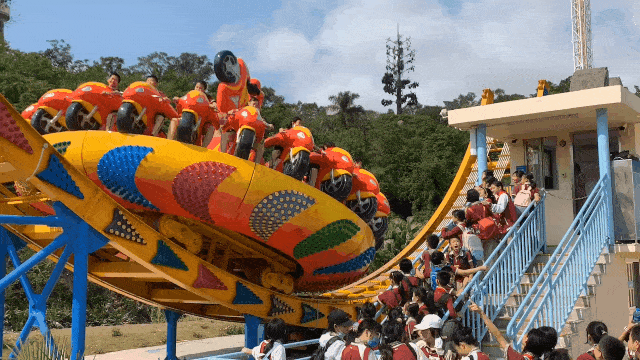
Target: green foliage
pixel 400 58
pixel 399 234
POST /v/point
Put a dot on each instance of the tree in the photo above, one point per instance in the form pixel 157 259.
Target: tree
pixel 59 54
pixel 198 67
pixel 462 101
pixel 343 104
pixel 501 96
pixel 156 63
pixel 270 97
pixel 637 90
pixel 111 64
pixel 400 59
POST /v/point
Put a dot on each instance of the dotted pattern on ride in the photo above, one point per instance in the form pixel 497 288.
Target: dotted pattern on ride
pixel 62 146
pixel 120 226
pixel 354 264
pixel 193 186
pixel 117 171
pixel 207 280
pixel 244 296
pixel 309 314
pixel 10 130
pixel 279 307
pixel 277 209
pixel 166 257
pixel 56 175
pixel 326 238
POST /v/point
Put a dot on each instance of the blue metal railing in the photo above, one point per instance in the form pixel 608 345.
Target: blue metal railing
pixel 552 298
pixel 507 265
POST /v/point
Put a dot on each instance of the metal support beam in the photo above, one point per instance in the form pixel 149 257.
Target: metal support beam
pixel 604 163
pixel 253 331
pixel 481 146
pixel 172 333
pixel 4 239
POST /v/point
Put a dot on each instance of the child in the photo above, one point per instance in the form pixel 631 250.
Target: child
pixel 465 344
pixel 535 344
pixel 398 295
pixel 394 345
pixel 429 332
pixel 366 338
pixel 609 348
pixel 332 341
pixel 424 299
pixel 459 258
pixel 458 229
pixel 432 245
pixel 412 312
pixel 595 331
pixel 275 332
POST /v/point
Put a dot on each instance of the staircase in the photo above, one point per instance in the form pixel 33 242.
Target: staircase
pixel 575 324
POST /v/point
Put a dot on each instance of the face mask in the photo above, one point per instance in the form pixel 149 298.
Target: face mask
pixel 373 343
pixel 481 199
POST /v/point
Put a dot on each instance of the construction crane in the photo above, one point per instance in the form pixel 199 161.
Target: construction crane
pixel 581 34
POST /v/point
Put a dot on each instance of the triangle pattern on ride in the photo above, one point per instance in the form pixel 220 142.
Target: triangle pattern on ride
pixel 56 175
pixel 166 257
pixel 244 296
pixel 279 307
pixel 310 314
pixel 10 130
pixel 207 280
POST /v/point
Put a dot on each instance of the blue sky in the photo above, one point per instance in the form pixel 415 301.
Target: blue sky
pixel 309 50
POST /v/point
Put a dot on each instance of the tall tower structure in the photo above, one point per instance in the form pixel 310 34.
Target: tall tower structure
pixel 581 34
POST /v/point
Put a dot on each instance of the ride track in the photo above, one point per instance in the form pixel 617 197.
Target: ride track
pixel 148 262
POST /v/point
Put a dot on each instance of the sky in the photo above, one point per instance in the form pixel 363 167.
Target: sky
pixel 310 50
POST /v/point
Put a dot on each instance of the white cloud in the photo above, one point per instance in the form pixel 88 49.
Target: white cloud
pixel 317 52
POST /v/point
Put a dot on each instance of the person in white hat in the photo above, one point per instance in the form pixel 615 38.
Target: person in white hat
pixel 429 332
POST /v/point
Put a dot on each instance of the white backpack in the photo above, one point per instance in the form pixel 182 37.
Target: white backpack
pixel 470 240
pixel 523 197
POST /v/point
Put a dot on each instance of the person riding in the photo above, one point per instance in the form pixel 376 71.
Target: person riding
pixel 214 131
pixel 114 82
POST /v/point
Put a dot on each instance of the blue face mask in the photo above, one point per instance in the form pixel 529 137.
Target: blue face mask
pixel 373 343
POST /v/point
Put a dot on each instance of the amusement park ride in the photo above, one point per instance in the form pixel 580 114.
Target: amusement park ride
pixel 199 231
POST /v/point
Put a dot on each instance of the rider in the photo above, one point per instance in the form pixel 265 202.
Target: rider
pixel 201 86
pixel 114 81
pixel 277 151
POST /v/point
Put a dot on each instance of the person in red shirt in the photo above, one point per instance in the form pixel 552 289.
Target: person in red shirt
pixel 397 295
pixel 458 229
pixel 429 332
pixel 365 339
pixel 412 312
pixel 536 343
pixel 595 331
pixel 516 179
pixel 432 245
pixel 461 259
pixel 631 335
pixel 466 345
pixel 394 345
pixel 504 211
pixel 441 296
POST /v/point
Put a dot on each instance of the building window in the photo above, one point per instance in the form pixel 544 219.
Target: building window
pixel 633 269
pixel 540 156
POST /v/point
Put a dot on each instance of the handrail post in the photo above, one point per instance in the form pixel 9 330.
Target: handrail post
pixel 604 163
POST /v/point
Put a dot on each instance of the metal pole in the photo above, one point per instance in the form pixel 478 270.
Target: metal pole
pixel 4 239
pixel 604 164
pixel 472 141
pixel 252 331
pixel 79 307
pixel 481 146
pixel 172 333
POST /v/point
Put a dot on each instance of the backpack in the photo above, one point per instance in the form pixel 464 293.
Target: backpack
pixel 523 197
pixel 441 304
pixel 319 353
pixel 448 329
pixel 470 240
pixel 487 229
pixel 434 275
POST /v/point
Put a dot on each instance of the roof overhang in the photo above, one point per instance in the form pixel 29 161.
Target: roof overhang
pixel 573 111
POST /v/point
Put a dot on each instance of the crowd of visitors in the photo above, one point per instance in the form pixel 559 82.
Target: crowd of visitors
pixel 413 333
pixel 489 213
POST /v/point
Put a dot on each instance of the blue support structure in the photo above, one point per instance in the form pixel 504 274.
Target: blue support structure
pixel 481 149
pixel 253 331
pixel 3 271
pixel 172 333
pixel 78 239
pixel 604 164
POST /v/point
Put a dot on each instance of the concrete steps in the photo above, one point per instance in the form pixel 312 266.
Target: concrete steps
pixel 576 318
